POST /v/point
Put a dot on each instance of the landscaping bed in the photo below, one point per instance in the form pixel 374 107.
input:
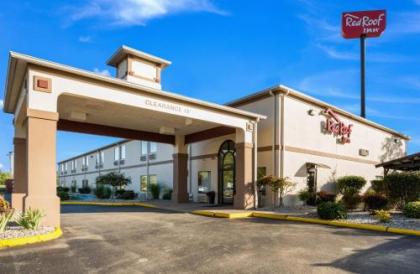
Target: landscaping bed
pixel 15 232
pixel 398 220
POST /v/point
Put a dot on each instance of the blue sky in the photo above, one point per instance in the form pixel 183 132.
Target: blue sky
pixel 225 49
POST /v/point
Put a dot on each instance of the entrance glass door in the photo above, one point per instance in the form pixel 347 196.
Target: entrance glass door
pixel 226 172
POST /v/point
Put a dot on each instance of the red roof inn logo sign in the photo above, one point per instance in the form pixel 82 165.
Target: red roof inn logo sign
pixel 335 126
pixel 363 23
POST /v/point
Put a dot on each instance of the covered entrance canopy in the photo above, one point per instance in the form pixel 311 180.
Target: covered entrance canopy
pixel 406 163
pixel 45 97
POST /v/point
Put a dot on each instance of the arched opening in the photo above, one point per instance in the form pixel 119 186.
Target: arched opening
pixel 226 171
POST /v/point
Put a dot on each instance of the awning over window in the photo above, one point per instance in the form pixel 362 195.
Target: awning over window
pixel 317 165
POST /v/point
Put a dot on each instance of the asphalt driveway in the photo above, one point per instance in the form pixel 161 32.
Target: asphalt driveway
pixel 139 240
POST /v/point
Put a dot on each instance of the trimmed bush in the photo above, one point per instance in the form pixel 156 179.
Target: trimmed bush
pixel 73 189
pixel 351 201
pixel 304 195
pixel 350 185
pixel 64 196
pixel 379 186
pixel 4 205
pixel 85 190
pixel 127 195
pixel 155 190
pixel 412 210
pixel 375 201
pixel 403 187
pixel 167 195
pixel 103 192
pixel 323 196
pixel 331 211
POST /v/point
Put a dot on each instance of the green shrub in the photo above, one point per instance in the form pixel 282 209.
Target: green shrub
pixel 403 187
pixel 127 195
pixel 304 195
pixel 4 219
pixel 155 190
pixel 350 185
pixel 4 205
pixel 351 201
pixel 73 189
pixel 30 219
pixel 331 211
pixel 85 190
pixel 379 186
pixel 412 210
pixel 383 216
pixel 374 201
pixel 167 195
pixel 323 196
pixel 64 196
pixel 102 192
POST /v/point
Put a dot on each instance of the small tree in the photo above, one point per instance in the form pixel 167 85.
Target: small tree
pixel 116 180
pixel 3 177
pixel 278 185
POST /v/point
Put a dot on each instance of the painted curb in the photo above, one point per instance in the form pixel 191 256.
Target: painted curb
pixel 31 239
pixel 109 204
pixel 279 216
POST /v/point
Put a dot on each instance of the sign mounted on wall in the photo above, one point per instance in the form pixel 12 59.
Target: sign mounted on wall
pixel 338 128
pixel 363 23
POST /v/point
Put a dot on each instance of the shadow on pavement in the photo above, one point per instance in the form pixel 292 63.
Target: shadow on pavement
pixel 395 256
pixel 66 209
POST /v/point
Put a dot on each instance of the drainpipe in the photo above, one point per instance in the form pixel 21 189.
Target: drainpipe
pixel 282 135
pixel 254 160
pixel 147 170
pixel 190 170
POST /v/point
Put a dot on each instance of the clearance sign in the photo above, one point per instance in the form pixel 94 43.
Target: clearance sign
pixel 363 23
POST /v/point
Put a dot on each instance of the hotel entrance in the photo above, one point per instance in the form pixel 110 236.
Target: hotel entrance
pixel 226 171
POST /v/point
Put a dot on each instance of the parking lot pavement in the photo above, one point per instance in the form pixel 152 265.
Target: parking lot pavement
pixel 139 240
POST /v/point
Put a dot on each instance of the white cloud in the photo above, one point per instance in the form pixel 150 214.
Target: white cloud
pixel 1 103
pixel 85 39
pixel 138 12
pixel 104 72
pixel 340 55
pixel 1 166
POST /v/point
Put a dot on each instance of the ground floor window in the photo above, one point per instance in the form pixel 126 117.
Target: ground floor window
pixel 73 186
pixel 203 181
pixel 85 183
pixel 143 182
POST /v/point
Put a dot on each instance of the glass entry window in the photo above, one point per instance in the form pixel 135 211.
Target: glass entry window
pixel 203 181
pixel 143 182
pixel 227 165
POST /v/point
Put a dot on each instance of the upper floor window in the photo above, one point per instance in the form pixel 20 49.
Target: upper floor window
pixel 148 149
pixel 116 153
pixel 122 155
pixel 143 148
pixel 153 148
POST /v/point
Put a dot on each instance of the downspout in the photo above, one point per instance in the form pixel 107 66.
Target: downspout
pixel 282 135
pixel 190 170
pixel 255 160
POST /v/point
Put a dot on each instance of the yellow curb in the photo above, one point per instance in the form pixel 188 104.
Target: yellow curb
pixel 404 231
pixel 273 216
pixel 108 203
pixel 203 213
pixel 31 239
pixel 239 215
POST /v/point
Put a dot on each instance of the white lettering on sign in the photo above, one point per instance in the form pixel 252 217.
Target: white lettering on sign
pixel 167 106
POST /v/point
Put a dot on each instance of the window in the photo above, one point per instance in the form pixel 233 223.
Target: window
pixel 102 159
pixel 203 181
pixel 122 156
pixel 143 182
pixel 261 172
pixel 85 183
pixel 143 150
pixel 73 166
pixel 116 153
pixel 153 148
pixel 85 163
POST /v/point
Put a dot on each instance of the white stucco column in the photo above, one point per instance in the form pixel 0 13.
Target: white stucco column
pixel 244 188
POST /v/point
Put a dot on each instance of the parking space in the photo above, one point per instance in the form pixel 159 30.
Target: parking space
pixel 101 239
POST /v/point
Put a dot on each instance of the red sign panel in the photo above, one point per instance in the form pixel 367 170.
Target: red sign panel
pixel 335 126
pixel 359 23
